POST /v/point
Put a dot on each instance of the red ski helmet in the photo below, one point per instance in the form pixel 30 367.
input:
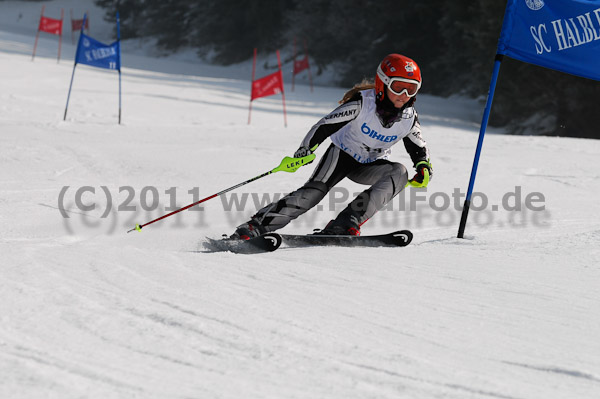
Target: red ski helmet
pixel 398 73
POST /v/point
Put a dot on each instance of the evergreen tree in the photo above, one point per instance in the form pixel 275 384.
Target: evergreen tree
pixel 131 14
pixel 171 22
pixel 231 29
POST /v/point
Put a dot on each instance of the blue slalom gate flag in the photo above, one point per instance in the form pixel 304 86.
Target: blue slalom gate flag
pixel 563 35
pixel 92 52
pixel 558 34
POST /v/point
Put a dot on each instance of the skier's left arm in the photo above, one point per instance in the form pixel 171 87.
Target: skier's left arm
pixel 418 151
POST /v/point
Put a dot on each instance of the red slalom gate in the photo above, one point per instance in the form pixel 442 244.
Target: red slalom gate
pixel 267 86
pixel 301 65
pixel 76 25
pixel 51 26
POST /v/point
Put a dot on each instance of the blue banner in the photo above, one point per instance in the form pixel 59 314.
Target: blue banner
pixel 92 52
pixel 558 34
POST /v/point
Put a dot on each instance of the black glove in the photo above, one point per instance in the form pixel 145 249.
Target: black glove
pixel 302 152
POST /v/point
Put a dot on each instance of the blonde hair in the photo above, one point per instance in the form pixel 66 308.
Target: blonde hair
pixel 364 85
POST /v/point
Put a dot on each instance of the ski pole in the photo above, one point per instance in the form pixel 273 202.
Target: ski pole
pixel 288 164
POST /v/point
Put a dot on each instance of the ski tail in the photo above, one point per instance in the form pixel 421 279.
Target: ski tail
pixel 268 242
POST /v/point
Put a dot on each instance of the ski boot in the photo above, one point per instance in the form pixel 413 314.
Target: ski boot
pixel 248 230
pixel 346 224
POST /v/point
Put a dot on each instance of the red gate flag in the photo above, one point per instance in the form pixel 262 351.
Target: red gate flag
pixel 52 26
pixel 76 24
pixel 301 65
pixel 267 86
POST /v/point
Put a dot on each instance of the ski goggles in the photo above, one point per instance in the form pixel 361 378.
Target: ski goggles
pixel 398 85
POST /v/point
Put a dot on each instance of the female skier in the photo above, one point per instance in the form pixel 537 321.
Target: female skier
pixel 369 121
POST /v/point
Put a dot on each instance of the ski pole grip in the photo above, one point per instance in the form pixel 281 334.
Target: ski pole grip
pixel 289 164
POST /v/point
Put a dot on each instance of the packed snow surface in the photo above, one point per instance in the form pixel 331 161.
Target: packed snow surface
pixel 86 310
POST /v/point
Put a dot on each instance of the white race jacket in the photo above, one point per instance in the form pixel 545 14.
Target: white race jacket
pixel 355 128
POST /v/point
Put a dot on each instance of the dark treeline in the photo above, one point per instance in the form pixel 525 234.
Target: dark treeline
pixel 454 42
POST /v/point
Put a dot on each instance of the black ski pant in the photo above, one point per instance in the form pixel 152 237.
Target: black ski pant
pixel 386 179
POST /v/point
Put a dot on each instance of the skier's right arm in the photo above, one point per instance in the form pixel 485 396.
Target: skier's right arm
pixel 330 124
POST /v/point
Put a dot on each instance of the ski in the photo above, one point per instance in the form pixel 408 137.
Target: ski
pixel 399 238
pixel 268 242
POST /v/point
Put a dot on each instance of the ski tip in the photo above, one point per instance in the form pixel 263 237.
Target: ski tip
pixel 267 242
pixel 404 237
pixel 271 241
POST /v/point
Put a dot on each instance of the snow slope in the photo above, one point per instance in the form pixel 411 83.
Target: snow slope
pixel 87 310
